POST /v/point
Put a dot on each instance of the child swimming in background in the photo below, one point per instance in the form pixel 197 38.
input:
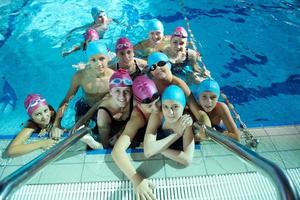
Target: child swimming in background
pixel 41 120
pixel 207 94
pixel 90 35
pixel 170 132
pixel 156 41
pixel 100 25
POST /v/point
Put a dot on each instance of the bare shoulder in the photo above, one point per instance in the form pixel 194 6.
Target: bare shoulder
pixel 136 119
pixel 222 108
pixel 110 72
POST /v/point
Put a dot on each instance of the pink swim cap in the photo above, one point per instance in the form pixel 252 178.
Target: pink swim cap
pixel 91 35
pixel 120 78
pixel 180 32
pixel 33 102
pixel 144 89
pixel 122 44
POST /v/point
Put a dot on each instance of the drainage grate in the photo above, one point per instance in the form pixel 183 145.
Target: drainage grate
pixel 228 186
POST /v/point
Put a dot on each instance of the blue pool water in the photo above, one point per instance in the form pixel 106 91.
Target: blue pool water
pixel 251 47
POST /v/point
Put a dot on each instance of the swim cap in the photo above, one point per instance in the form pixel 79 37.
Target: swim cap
pixel 179 32
pixel 143 88
pixel 208 85
pixel 95 12
pixel 122 44
pixel 33 102
pixel 91 35
pixel 155 57
pixel 96 47
pixel 120 78
pixel 174 93
pixel 155 25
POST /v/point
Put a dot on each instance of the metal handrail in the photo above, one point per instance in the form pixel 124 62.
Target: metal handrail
pixel 13 181
pixel 286 189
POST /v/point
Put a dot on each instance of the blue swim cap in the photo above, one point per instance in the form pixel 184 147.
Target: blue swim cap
pixel 96 47
pixel 155 57
pixel 155 25
pixel 174 93
pixel 95 12
pixel 208 85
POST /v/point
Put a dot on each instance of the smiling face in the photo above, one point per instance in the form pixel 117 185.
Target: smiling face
pixel 161 72
pixel 178 44
pixel 126 55
pixel 208 101
pixel 42 115
pixel 152 107
pixel 121 95
pixel 155 36
pixel 172 110
pixel 98 62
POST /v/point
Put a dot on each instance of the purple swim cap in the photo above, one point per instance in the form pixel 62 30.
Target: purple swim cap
pixel 123 43
pixel 120 78
pixel 144 89
pixel 33 102
pixel 91 35
pixel 179 32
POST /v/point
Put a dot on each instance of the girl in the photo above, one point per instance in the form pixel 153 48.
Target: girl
pixel 170 132
pixel 147 101
pixel 114 111
pixel 125 55
pixel 41 120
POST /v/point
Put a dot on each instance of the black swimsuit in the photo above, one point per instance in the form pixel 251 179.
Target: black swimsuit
pixel 134 74
pixel 117 125
pixel 163 133
pixel 178 67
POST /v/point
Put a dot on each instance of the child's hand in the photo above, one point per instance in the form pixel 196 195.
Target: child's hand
pixel 47 144
pixel 183 122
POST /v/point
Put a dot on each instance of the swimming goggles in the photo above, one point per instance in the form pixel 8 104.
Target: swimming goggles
pixel 179 34
pixel 118 81
pixel 159 64
pixel 35 102
pixel 126 45
pixel 151 99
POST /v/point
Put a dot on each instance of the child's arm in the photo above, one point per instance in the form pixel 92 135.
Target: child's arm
pixel 19 146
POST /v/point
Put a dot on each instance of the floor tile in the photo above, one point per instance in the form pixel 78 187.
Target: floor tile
pixel 141 156
pixel 10 169
pixel 298 128
pixel 214 149
pixel 98 158
pixel 174 169
pixel 258 132
pixel 287 142
pixel 4 144
pixel 71 157
pixel 291 159
pixel 224 164
pixel 61 173
pixel 271 156
pixel 265 145
pixel 150 168
pixel 281 130
pixel 24 159
pixel 101 172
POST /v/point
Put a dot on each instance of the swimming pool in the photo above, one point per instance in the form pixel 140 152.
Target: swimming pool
pixel 252 49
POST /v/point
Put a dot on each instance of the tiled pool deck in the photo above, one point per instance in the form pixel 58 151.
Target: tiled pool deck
pixel 279 144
